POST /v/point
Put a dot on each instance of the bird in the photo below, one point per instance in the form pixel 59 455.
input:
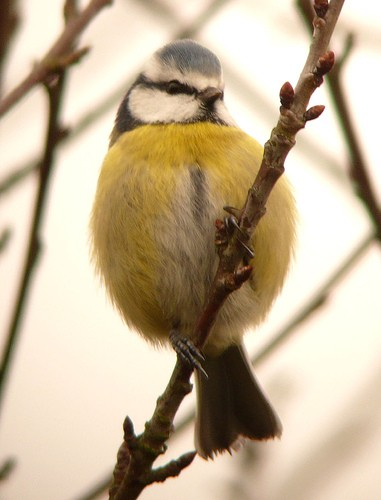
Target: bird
pixel 176 158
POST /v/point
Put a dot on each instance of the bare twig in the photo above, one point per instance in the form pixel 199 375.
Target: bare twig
pixel 358 169
pixel 52 136
pixel 189 29
pixel 9 21
pixel 320 297
pixel 17 175
pixel 5 236
pixel 6 468
pixel 59 56
pixel 293 117
pixel 22 172
pixel 145 448
pixel 134 488
pixel 52 75
pixel 230 275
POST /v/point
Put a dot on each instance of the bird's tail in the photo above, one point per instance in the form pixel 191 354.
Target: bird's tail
pixel 231 405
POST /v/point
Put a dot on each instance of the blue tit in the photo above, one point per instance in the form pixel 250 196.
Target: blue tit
pixel 176 158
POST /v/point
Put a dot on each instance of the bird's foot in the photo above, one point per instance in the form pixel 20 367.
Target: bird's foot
pixel 187 351
pixel 231 223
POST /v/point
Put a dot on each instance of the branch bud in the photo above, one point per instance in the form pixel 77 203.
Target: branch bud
pixel 314 112
pixel 286 95
pixel 321 8
pixel 325 63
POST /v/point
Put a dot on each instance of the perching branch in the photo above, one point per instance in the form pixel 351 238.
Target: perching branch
pixel 60 55
pixel 293 117
pixel 320 297
pixel 146 447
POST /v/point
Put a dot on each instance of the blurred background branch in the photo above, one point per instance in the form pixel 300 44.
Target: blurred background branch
pixel 60 55
pixel 51 72
pixel 9 21
pixel 55 91
pixel 358 170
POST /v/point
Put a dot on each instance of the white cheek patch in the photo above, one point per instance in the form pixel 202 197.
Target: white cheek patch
pixel 152 105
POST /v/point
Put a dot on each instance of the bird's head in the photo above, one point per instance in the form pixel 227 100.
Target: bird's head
pixel 181 83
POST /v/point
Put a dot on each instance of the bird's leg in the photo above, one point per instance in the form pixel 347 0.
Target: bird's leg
pixel 187 351
pixel 230 222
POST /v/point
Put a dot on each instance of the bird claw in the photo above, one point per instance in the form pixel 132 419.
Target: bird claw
pixel 233 211
pixel 187 351
pixel 232 221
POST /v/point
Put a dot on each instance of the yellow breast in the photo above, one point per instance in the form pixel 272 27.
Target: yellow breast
pixel 160 190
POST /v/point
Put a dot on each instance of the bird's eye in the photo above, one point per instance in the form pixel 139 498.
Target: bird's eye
pixel 175 87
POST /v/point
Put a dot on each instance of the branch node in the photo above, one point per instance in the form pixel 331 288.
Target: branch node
pixel 58 64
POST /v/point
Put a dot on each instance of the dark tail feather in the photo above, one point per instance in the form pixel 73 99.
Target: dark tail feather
pixel 231 404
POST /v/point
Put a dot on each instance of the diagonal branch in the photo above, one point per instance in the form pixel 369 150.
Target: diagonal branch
pixel 145 448
pixel 320 297
pixel 293 117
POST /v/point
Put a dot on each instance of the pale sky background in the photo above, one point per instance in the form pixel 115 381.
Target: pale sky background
pixel 78 371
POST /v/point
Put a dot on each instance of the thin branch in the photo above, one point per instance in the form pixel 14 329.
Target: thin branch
pixel 230 276
pixel 9 21
pixel 319 299
pixel 22 172
pixel 58 57
pixel 151 443
pixel 5 236
pixel 190 29
pixel 18 174
pixel 54 83
pixel 293 117
pixel 6 468
pixel 55 93
pixel 358 170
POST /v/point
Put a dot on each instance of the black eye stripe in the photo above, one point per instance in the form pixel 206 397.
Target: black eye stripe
pixel 176 87
pixel 173 87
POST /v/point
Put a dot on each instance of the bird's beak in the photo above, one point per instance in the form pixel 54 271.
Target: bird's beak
pixel 210 95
